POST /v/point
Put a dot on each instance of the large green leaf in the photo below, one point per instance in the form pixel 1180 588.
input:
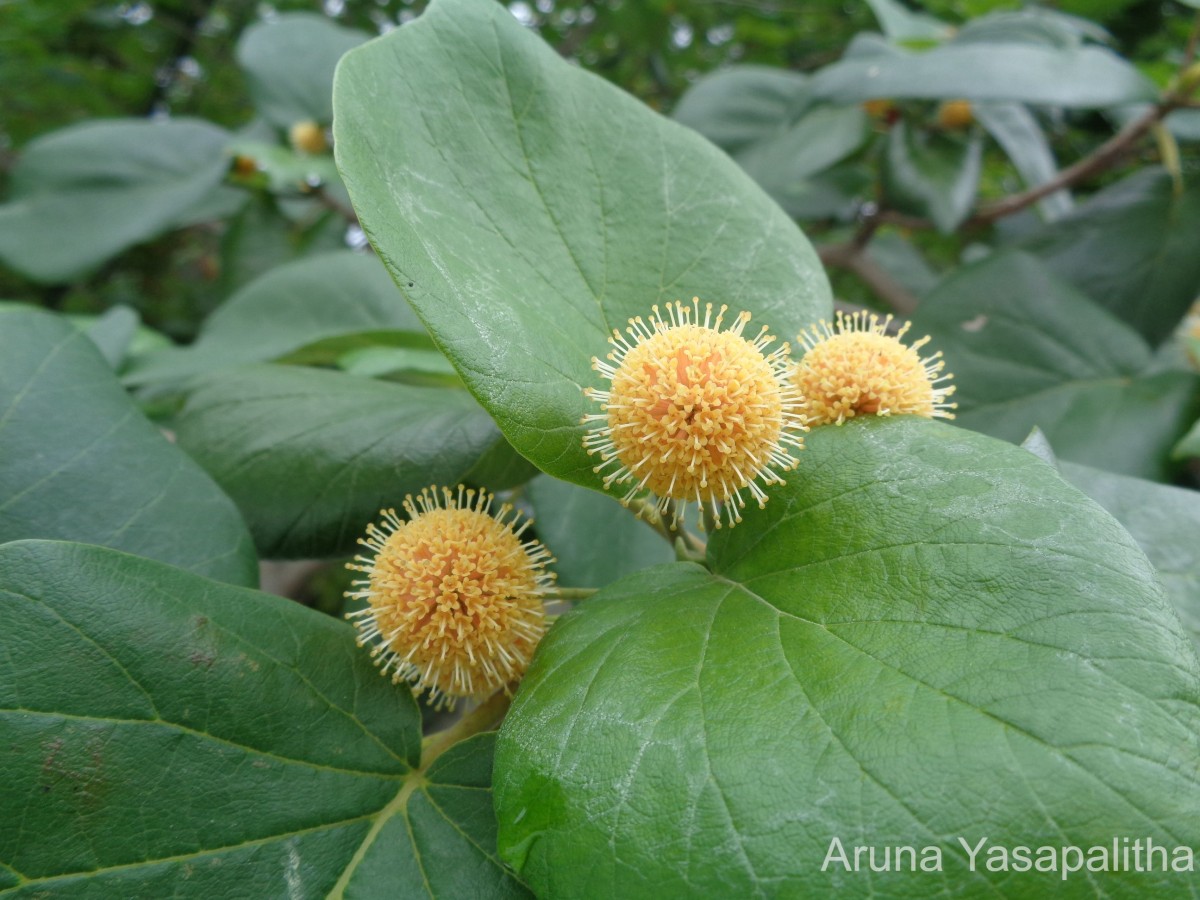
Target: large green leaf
pixel 81 195
pixel 332 299
pixel 1164 520
pixel 81 463
pixel 925 636
pixel 594 539
pixel 1131 248
pixel 932 174
pixel 311 456
pixel 527 208
pixel 289 63
pixel 165 735
pixel 1028 350
pixel 978 70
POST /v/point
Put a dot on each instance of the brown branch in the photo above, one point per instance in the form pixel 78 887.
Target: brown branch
pixel 854 259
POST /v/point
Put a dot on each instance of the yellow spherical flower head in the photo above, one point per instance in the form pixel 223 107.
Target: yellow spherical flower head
pixel 694 413
pixel 454 594
pixel 857 369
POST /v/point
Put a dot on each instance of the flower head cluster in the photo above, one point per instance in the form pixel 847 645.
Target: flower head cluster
pixel 454 596
pixel 856 368
pixel 694 412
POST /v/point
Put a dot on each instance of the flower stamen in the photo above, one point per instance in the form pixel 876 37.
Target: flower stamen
pixel 454 596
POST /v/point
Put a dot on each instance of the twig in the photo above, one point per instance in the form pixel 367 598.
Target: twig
pixel 854 259
pixel 485 717
pixel 331 202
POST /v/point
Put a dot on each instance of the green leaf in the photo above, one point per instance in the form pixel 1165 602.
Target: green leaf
pixel 533 208
pixel 1131 248
pixel 311 456
pixel 1027 350
pixel 112 332
pixel 83 194
pixel 594 540
pixel 1016 72
pixel 165 735
pixel 925 635
pixel 741 105
pixel 1165 521
pixel 81 463
pixel 932 174
pixel 289 64
pixel 784 163
pixel 1017 131
pixel 317 300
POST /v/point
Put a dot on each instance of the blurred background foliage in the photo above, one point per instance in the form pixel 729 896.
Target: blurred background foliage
pixel 68 61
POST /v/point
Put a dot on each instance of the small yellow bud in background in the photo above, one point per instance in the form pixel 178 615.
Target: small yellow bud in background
pixel 878 108
pixel 245 166
pixel 954 114
pixel 308 137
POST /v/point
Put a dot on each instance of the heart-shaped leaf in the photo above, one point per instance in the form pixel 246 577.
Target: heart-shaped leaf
pixel 81 463
pixel 81 195
pixel 311 456
pixel 926 635
pixel 527 208
pixel 1027 350
pixel 165 735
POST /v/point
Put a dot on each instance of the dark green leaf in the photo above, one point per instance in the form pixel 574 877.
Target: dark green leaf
pixel 165 735
pixel 81 195
pixel 81 463
pixel 742 105
pixel 1027 350
pixel 1017 72
pixel 311 456
pixel 594 540
pixel 289 63
pixel 932 174
pixel 1131 248
pixel 1165 521
pixel 926 635
pixel 532 208
pixel 330 296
